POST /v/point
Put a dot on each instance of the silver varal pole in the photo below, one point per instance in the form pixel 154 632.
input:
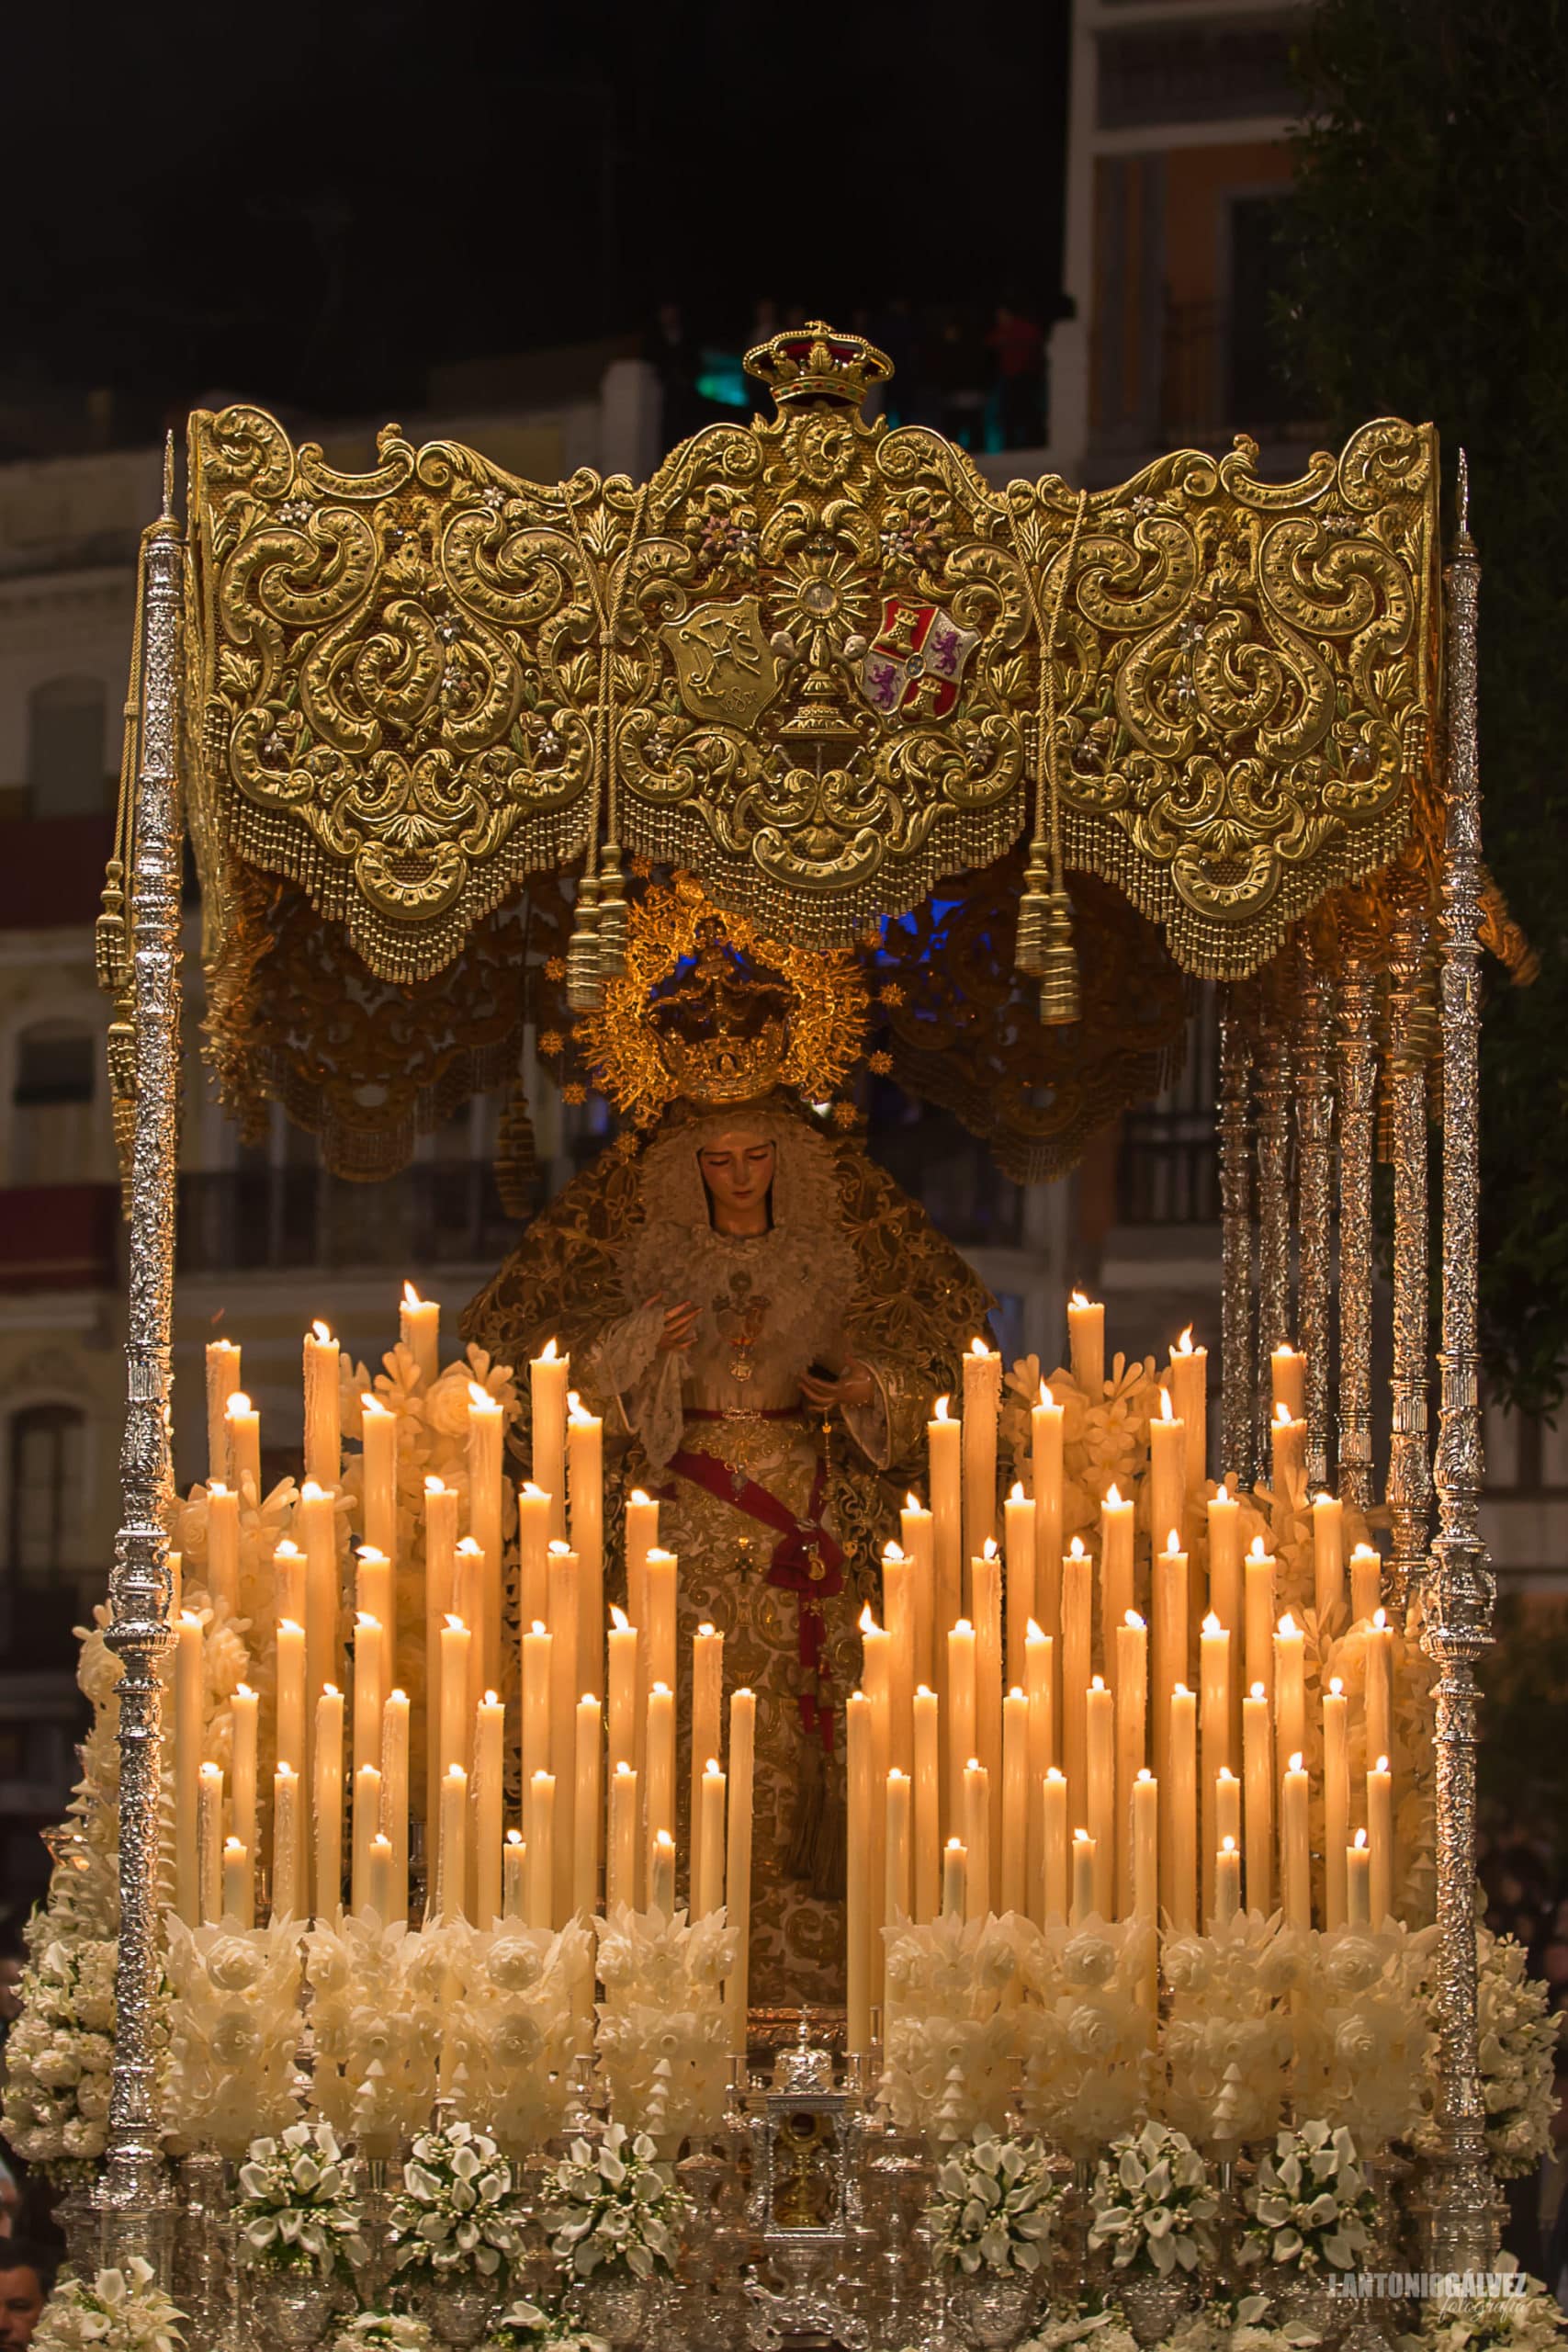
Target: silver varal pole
pixel 132 2187
pixel 1460 1588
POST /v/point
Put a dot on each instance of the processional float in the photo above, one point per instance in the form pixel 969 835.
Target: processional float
pixel 1028 762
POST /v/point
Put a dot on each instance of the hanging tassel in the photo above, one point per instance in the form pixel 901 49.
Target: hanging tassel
pixel 1033 910
pixel 1059 1004
pixel 612 915
pixel 584 981
pixel 516 1160
pixel 110 947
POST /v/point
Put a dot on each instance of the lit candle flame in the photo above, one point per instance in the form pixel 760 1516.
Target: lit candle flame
pixel 480 1398
pixel 551 1353
pixel 1045 1396
pixel 1167 1410
pixel 1179 1690
pixel 189 1617
pixel 868 1624
pixel 216 1486
pixel 1224 1773
pixel 1380 1619
pixel 1016 1493
pixel 233 1846
pixel 1321 1498
pixel 534 1494
pixel 455 1624
pixel 469 1547
pixel 988 1549
pixel 513 1837
pixel 1184 1345
pixel 1258 1552
pixel 1383 1764
pixel 1077 1550
pixel 1258 1692
pixel 706 1631
pixel 1082 1298
pixel 558 1548
pixel 412 1296
pixel 1114 1496
pixel 618 1618
pixel 1336 1686
pixel 1133 1619
pixel 894 1552
pixel 1360 1839
pixel 238 1403
pixel 1144 1773
pixel 1288 1627
pixel 1227 1843
pixel 1173 1545
pixel 638 1496
pixel 713 1770
pixel 287 1626
pixel 311 1493
pixel 939 1410
pixel 364 1620
pixel 1098 1684
pixel 912 1503
pixel 1056 1773
pixel 1282 1416
pixel 1033 1632
pixel 963 1627
pixel 539 1626
pixel 286 1549
pixel 1296 1761
pixel 1212 1623
pixel 374 1405
pixel 435 1485
pixel 1081 1836
pixel 322 1332
pixel 977 1347
pixel 243 1690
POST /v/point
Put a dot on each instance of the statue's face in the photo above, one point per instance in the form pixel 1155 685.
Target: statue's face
pixel 738 1168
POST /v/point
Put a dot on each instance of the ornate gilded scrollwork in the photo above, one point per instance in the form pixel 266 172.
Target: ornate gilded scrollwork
pixel 805 663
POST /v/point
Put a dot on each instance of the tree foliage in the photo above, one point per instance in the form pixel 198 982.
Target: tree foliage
pixel 1429 278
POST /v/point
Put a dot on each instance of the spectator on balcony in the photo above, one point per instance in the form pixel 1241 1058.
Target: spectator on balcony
pixel 1017 343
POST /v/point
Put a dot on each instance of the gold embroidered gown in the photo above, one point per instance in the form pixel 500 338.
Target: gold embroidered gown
pixel 779 1529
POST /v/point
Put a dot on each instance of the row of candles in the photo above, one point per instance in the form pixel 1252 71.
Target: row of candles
pixel 596 1705
pixel 992 1768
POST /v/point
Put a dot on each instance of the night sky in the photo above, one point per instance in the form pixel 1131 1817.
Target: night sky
pixel 313 206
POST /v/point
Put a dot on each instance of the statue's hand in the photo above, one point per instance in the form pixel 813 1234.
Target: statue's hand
pixel 854 1385
pixel 679 1328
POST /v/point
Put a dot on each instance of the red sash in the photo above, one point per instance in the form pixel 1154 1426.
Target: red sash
pixel 806 1561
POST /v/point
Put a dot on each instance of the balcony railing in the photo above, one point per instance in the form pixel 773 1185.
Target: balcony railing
pixel 1168 1168
pixel 245 1220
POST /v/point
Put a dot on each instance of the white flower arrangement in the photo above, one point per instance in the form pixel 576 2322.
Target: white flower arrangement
pixel 1519 2041
pixel 1228 2040
pixel 296 2209
pixel 58 2056
pixel 663 2046
pixel 993 2206
pixel 951 2055
pixel 117 2310
pixel 525 2325
pixel 377 2006
pixel 1363 2038
pixel 234 2029
pixel 1240 2326
pixel 1532 2320
pixel 515 2025
pixel 457 2209
pixel 1308 2205
pixel 383 2331
pixel 1087 2038
pixel 1101 2328
pixel 1153 2204
pixel 616 2206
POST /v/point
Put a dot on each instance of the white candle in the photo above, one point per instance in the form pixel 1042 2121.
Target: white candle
pixel 378 1440
pixel 658 1746
pixel 373 1592
pixel 1100 1804
pixel 1115 1570
pixel 1287 1443
pixel 585 1490
pixel 452 1863
pixel 954 1879
pixel 367 1829
pixel 369 1690
pixel 395 1795
pixel 1380 1687
pixel 288 1857
pixel 486 1429
pixel 1258 1569
pixel 622 1680
pixel 239 1883
pixel 1214 1736
pixel 189 1684
pixel 244 1708
pixel 1132 1703
pixel 1086 1345
pixel 977 1837
pixel 737 1865
pixel 899 1614
pixel 985 1577
pixel 876 1671
pixel 1083 1903
pixel 1144 1904
pixel 1258 1771
pixel 1295 1849
pixel 223 1379
pixel 324 1415
pixel 1014 1873
pixel 538 1830
pixel 1167 1473
pixel 533 1551
pixel 1329 1556
pixel 982 1400
pixel 1169 1587
pixel 209 1844
pixel 291 1744
pixel 1336 1801
pixel 223 1546
pixel 658 1655
pixel 944 1440
pixel 1190 1395
pixel 858 1760
pixel 1045 1463
pixel 1290 1686
pixel 1077 1572
pixel 452 1735
pixel 329 1803
pixel 419 1328
pixel 489 1784
pixel 928 1806
pixel 549 1378
pixel 1358 1882
pixel 961 1714
pixel 1225 1561
pixel 1289 1381
pixel 621 1869
pixel 316 1518
pixel 916 1536
pixel 1179 1827
pixel 585 1843
pixel 641 1537
pixel 537 1680
pixel 708 1876
pixel 244 1443
pixel 1018 1553
pixel 514 1863
pixel 1038 1690
pixel 380 1878
pixel 566 1650
pixel 663 1894
pixel 707 1707
pixel 1227 1883
pixel 1055 1870
pixel 1380 1839
pixel 1227 1806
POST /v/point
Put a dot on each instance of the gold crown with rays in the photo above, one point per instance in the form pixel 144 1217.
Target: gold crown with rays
pixel 709 1011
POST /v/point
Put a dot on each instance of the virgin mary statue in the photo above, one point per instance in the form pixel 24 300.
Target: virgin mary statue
pixel 764 1319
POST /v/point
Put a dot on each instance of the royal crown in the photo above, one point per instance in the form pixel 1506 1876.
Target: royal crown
pixel 815 367
pixel 723 1033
